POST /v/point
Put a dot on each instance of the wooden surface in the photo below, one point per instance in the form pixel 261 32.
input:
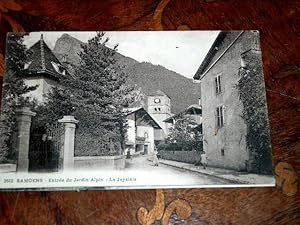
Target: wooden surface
pixel 279 24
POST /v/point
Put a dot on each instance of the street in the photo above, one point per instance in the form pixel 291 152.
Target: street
pixel 172 174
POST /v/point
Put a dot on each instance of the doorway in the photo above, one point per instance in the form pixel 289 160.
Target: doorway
pixel 145 149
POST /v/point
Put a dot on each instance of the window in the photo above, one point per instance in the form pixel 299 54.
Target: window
pixel 158 109
pixel 26 65
pixel 58 68
pixel 218 84
pixel 222 152
pixel 243 63
pixel 64 58
pixel 220 116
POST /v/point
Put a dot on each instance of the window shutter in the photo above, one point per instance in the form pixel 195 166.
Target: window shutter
pixel 220 87
pixel 216 84
pixel 217 117
pixel 221 116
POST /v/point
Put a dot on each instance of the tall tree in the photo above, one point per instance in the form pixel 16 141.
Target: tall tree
pixel 14 89
pixel 96 95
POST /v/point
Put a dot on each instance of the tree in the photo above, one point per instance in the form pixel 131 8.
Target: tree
pixel 183 135
pixel 14 89
pixel 96 95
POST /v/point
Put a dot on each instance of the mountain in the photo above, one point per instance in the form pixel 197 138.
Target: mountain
pixel 182 91
pixel 69 47
pixel 150 78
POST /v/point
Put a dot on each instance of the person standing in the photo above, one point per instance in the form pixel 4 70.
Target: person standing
pixel 204 159
pixel 128 155
pixel 155 158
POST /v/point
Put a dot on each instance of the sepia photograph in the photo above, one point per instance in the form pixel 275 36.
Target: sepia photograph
pixel 134 109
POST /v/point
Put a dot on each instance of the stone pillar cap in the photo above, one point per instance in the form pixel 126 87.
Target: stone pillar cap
pixel 25 111
pixel 68 119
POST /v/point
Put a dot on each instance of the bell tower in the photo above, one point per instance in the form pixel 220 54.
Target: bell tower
pixel 159 107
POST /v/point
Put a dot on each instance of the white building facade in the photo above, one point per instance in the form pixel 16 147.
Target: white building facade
pixel 140 132
pixel 224 129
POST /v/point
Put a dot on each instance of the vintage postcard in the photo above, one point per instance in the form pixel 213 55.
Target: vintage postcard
pixel 130 110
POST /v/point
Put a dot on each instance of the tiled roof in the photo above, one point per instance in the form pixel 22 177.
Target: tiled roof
pixel 43 61
pixel 207 62
pixel 210 54
pixel 129 111
pixel 192 109
pixel 158 93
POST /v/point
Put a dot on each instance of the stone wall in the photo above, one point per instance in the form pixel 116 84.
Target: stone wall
pixel 181 156
pixel 8 167
pixel 99 162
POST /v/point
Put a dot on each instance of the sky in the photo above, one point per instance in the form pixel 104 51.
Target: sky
pixel 180 51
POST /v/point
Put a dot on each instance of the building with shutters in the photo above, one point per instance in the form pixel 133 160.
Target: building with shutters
pixel 224 128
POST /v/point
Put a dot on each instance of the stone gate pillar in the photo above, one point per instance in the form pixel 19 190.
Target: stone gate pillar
pixel 23 116
pixel 69 141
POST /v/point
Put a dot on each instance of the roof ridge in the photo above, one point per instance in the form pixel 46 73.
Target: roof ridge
pixel 45 61
pixel 42 52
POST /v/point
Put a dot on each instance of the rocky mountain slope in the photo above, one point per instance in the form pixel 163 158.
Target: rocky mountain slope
pixel 150 78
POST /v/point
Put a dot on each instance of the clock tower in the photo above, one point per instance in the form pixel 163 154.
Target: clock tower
pixel 159 107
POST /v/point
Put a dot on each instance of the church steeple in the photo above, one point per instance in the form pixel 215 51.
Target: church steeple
pixel 159 107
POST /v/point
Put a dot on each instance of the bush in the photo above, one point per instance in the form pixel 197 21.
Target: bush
pixel 181 156
pixel 182 146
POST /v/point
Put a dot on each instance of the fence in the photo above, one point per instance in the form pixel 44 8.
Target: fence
pixel 53 147
pixel 45 145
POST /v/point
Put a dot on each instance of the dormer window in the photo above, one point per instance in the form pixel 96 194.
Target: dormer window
pixel 58 68
pixel 64 58
pixel 243 63
pixel 26 65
